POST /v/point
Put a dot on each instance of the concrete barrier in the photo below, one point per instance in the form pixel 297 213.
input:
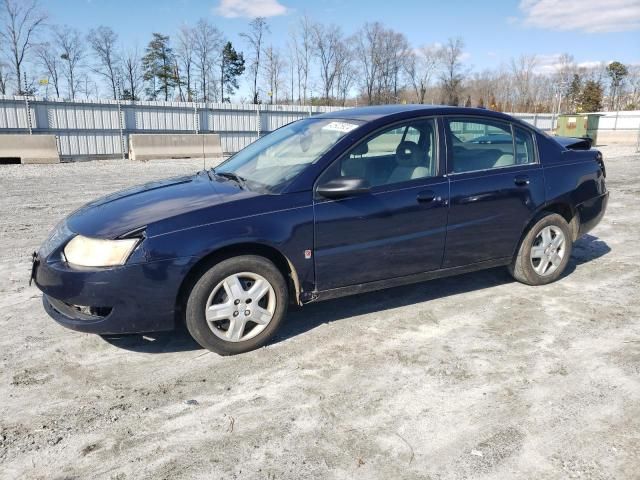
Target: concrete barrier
pixel 29 148
pixel 174 145
pixel 618 137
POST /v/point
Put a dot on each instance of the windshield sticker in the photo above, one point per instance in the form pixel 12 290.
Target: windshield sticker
pixel 340 127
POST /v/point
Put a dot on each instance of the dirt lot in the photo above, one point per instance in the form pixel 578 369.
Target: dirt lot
pixel 468 377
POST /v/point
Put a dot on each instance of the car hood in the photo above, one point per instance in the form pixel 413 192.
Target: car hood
pixel 126 211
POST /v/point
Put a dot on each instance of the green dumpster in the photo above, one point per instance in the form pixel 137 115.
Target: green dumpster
pixel 579 125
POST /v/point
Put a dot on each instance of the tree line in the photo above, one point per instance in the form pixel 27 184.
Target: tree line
pixel 320 64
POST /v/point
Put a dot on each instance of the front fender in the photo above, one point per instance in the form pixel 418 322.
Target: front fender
pixel 289 231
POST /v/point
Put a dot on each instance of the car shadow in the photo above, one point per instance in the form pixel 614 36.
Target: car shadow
pixel 300 320
pixel 585 249
pixel 177 340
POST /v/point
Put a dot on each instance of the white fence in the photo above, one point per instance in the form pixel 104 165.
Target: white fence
pixel 102 128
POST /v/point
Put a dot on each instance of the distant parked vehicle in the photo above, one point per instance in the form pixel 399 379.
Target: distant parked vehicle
pixel 341 203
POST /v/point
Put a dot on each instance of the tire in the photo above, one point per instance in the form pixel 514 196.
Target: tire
pixel 529 266
pixel 238 315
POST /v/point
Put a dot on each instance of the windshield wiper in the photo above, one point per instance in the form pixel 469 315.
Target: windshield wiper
pixel 232 176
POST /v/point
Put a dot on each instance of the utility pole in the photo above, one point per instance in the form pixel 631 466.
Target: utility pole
pixel 26 102
pixel 120 118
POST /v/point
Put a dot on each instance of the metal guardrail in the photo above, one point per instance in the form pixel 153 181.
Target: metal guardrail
pixel 101 128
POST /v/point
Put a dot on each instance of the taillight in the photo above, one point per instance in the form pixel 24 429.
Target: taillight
pixel 600 161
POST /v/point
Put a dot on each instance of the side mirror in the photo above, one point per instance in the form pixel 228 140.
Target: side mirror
pixel 342 187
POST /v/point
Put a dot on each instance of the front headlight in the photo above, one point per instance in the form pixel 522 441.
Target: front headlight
pixel 93 252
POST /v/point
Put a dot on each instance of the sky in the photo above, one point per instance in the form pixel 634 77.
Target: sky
pixel 493 31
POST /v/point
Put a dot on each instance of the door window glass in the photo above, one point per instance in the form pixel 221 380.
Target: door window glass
pixel 395 155
pixel 486 144
pixel 525 152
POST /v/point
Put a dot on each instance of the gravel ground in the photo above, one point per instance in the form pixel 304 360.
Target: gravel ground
pixel 469 377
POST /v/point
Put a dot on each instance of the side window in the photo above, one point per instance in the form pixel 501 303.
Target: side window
pixel 480 145
pixel 398 154
pixel 525 151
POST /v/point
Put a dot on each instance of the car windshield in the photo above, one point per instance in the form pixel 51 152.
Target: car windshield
pixel 275 159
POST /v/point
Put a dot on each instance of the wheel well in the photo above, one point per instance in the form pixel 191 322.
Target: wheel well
pixel 567 212
pixel 279 260
pixel 564 210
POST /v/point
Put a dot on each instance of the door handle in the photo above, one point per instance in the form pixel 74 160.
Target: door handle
pixel 428 196
pixel 521 180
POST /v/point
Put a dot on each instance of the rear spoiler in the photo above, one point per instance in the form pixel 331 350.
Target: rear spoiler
pixel 584 143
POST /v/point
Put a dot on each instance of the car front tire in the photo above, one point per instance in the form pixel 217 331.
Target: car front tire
pixel 237 305
pixel 544 251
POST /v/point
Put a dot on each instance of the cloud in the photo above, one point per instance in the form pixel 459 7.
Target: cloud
pixel 590 64
pixel 250 8
pixel 592 16
pixel 552 63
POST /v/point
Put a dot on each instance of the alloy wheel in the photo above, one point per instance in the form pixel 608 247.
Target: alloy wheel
pixel 240 307
pixel 548 250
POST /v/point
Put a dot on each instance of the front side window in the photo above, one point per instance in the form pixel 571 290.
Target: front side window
pixel 487 144
pixel 273 160
pixel 397 154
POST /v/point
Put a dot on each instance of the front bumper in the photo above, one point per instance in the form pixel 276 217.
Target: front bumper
pixel 591 212
pixel 134 298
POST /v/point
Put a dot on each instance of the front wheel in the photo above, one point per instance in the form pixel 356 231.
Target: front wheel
pixel 237 305
pixel 544 252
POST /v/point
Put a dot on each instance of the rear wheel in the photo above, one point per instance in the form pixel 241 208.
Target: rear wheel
pixel 237 305
pixel 544 252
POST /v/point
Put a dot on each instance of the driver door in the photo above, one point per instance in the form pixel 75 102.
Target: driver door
pixel 398 227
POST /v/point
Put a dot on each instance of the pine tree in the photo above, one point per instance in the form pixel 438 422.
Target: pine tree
pixel 591 97
pixel 158 66
pixel 231 67
pixel 575 89
pixel 616 71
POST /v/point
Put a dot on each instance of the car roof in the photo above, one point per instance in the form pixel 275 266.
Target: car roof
pixel 368 114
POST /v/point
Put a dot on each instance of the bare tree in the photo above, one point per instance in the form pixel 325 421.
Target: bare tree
pixel 522 70
pixel 186 56
pixel 132 66
pixel 452 74
pixel 301 46
pixel 345 71
pixel 383 55
pixel 21 21
pixel 3 77
pixel 48 57
pixel 257 29
pixel 293 66
pixel 4 71
pixel 103 43
pixel 69 42
pixel 208 42
pixel 368 53
pixel 393 54
pixel 327 41
pixel 274 67
pixel 87 85
pixel 634 86
pixel 420 67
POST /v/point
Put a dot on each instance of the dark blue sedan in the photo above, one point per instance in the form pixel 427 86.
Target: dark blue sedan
pixel 332 205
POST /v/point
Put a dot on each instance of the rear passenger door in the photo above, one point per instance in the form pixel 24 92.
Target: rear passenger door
pixel 496 184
